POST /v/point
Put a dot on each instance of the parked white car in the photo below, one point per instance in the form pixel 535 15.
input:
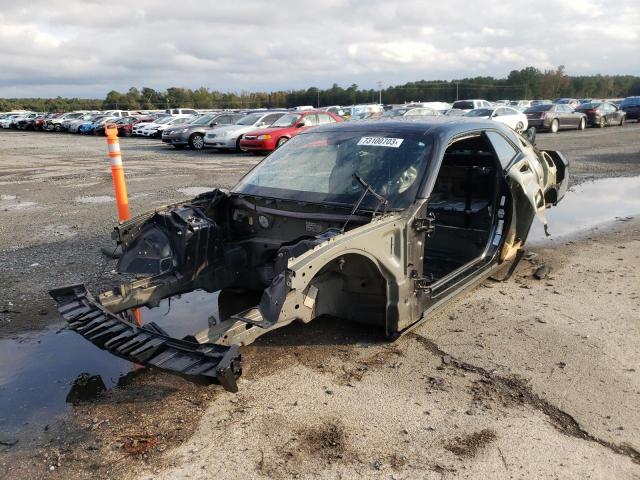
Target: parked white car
pixel 155 129
pixel 507 115
pixel 143 129
pixel 520 105
pixel 56 124
pixel 7 121
pixel 229 136
pixel 181 112
pixel 117 113
pixel 439 106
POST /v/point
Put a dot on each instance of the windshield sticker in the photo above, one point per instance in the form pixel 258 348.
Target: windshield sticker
pixel 381 142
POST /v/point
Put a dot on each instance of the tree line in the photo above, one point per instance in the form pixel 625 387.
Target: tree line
pixel 528 83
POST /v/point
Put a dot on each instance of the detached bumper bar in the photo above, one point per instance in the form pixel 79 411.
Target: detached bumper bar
pixel 202 363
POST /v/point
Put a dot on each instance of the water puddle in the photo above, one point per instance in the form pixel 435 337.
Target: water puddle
pixel 194 191
pixel 37 371
pixel 185 314
pixel 94 199
pixel 38 368
pixel 588 205
pixel 12 202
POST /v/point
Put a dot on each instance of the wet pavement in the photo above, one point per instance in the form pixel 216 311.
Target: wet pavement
pixel 588 205
pixel 37 371
pixel 38 368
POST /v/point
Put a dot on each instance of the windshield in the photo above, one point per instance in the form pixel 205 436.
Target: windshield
pixel 320 168
pixel 398 112
pixel 163 120
pixel 204 120
pixel 288 120
pixel 249 119
pixel 587 106
pixel 480 112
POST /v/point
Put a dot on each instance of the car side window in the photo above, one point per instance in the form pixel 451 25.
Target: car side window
pixel 310 120
pixel 323 119
pixel 504 150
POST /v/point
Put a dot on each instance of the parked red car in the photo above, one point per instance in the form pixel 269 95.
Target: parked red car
pixel 124 125
pixel 283 129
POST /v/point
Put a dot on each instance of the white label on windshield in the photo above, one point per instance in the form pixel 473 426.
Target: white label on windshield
pixel 381 142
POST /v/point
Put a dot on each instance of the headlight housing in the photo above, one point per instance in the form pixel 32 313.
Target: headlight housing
pixel 266 136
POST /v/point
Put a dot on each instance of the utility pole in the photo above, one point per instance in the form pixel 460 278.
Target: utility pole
pixel 318 92
pixel 380 92
pixel 457 91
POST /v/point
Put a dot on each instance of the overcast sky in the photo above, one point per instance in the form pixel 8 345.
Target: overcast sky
pixel 86 48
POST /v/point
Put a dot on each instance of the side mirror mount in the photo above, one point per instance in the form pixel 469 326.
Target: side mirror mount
pixel 300 125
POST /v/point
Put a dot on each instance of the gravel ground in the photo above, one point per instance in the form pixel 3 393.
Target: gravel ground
pixel 524 379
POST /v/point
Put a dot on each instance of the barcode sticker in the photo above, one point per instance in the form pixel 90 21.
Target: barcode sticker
pixel 381 142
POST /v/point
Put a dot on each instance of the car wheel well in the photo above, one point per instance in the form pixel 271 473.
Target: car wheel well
pixel 351 287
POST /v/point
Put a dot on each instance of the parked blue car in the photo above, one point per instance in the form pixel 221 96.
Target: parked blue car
pixel 89 128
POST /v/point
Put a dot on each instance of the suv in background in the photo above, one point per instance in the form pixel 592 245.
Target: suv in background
pixel 181 112
pixel 631 106
pixel 470 104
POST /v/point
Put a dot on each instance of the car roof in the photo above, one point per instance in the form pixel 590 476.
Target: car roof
pixel 438 125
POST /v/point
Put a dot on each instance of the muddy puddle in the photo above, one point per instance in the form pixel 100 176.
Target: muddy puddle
pixel 588 205
pixel 38 368
pixel 94 199
pixel 37 371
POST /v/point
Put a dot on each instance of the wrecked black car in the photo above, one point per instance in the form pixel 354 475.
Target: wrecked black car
pixel 380 222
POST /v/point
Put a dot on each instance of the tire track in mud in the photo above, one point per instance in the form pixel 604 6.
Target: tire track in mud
pixel 519 392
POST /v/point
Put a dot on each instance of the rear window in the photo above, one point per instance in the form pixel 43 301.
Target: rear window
pixel 587 106
pixel 539 108
pixel 463 104
pixel 630 102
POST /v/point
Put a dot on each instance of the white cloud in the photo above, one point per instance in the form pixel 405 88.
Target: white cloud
pixel 86 48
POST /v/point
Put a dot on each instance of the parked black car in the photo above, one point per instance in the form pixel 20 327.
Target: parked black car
pixel 631 106
pixel 601 114
pixel 554 117
pixel 193 133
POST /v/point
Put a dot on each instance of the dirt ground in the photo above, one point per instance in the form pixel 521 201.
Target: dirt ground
pixel 523 379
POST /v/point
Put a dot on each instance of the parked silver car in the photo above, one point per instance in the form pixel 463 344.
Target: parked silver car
pixel 193 133
pixel 228 137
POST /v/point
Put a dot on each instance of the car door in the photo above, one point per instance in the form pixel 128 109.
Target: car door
pixel 531 173
pixel 614 114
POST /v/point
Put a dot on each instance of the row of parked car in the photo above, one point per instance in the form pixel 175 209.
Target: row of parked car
pixel 265 130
